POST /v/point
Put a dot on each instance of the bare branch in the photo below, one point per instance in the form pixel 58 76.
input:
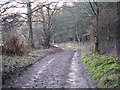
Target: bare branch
pixel 92 8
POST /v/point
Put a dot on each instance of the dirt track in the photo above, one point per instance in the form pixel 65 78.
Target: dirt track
pixel 60 70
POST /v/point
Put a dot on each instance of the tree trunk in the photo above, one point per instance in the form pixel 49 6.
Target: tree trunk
pixel 47 42
pixel 118 33
pixel 29 15
pixel 96 13
pixel 96 30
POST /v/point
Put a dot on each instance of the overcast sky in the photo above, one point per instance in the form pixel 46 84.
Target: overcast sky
pixel 25 10
pixel 66 0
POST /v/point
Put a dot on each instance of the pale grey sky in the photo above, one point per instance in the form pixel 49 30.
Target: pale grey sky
pixel 67 0
pixel 25 10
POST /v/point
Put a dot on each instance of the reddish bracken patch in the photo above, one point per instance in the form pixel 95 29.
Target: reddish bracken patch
pixel 14 46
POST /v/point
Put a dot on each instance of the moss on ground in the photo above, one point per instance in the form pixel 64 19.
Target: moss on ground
pixel 103 70
pixel 13 64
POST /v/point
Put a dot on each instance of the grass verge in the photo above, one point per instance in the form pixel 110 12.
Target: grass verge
pixel 12 65
pixel 70 45
pixel 103 70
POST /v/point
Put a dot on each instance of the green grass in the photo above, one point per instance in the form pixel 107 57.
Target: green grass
pixel 103 70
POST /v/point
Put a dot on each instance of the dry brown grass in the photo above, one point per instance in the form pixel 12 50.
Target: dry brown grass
pixel 84 47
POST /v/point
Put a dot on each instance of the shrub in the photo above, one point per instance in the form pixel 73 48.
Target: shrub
pixel 14 46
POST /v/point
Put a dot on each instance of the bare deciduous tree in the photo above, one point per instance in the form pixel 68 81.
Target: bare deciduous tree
pixel 9 21
pixel 96 11
pixel 45 16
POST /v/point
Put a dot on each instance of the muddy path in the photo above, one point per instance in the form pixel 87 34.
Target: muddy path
pixel 60 70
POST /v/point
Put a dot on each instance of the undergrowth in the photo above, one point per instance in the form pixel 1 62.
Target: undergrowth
pixel 12 64
pixel 103 70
